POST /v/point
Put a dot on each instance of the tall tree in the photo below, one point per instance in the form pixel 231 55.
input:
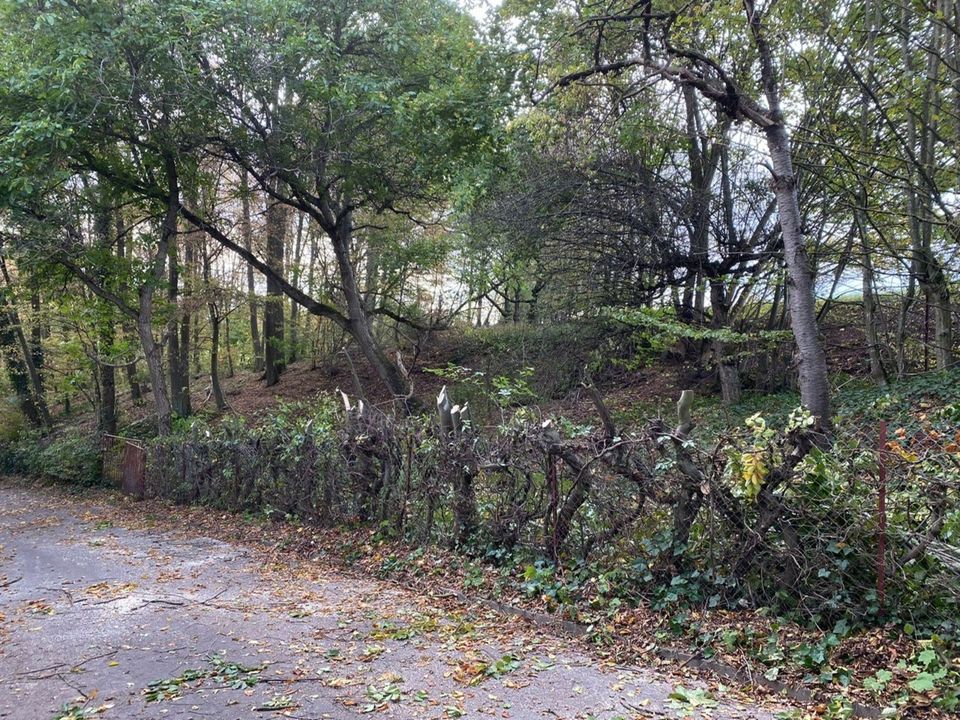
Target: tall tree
pixel 660 44
pixel 273 336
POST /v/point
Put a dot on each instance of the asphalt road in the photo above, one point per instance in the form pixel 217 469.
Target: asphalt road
pixel 128 624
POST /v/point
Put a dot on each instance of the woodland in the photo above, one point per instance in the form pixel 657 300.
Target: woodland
pixel 637 313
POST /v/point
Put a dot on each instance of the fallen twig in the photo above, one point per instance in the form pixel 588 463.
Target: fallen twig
pixel 59 673
pixel 269 708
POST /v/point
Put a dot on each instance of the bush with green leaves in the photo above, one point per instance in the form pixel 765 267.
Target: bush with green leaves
pixel 556 352
pixel 12 421
pixel 21 456
pixel 67 456
pixel 71 457
pixel 285 466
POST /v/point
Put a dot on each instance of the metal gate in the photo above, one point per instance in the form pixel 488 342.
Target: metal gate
pixel 125 464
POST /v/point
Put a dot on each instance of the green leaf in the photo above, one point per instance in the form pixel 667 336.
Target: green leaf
pixel 927 657
pixel 923 682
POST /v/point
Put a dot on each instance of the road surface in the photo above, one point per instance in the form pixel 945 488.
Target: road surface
pixel 130 623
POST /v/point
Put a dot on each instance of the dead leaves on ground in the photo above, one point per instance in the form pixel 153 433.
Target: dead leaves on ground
pixel 109 590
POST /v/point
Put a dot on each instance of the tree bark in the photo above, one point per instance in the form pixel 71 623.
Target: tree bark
pixel 226 327
pixel 702 168
pixel 16 366
pixel 108 394
pixel 152 356
pixel 178 336
pixel 246 230
pixel 870 321
pixel 937 289
pixel 106 372
pixel 295 272
pixel 921 130
pixel 273 337
pixel 136 393
pixel 37 331
pixel 358 318
pixel 218 396
pixel 37 407
pixel 812 361
pixel 214 316
pixel 730 389
pixel 151 349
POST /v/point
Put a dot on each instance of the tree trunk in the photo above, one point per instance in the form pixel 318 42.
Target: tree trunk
pixel 558 523
pixel 195 344
pixel 870 329
pixel 218 397
pixel 105 335
pixel 701 179
pixel 295 272
pixel 176 355
pixel 37 331
pixel 938 295
pixel 108 398
pixel 814 383
pixel 136 394
pixel 38 402
pixel 151 348
pixel 226 327
pixel 214 317
pixel 16 366
pixel 246 230
pixel 727 370
pixel 359 320
pixel 921 131
pixel 812 361
pixel 151 354
pixel 870 321
pixel 274 350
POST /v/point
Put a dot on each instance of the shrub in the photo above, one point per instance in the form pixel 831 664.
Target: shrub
pixel 12 421
pixel 18 457
pixel 287 466
pixel 71 457
pixel 556 352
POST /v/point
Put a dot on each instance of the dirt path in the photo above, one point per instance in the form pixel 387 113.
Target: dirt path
pixel 92 614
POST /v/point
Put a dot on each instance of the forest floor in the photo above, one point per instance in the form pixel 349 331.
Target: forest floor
pixel 109 611
pixel 653 388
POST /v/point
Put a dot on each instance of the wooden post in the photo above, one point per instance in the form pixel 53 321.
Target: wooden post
pixel 882 514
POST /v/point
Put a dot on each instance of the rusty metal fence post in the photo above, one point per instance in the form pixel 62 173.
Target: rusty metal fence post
pixel 125 464
pixel 882 513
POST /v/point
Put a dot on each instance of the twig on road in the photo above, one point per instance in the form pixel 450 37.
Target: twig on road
pixel 73 668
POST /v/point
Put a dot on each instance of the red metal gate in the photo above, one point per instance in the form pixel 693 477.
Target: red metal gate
pixel 125 464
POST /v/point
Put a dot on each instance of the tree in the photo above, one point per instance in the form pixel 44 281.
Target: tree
pixel 666 46
pixel 366 109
